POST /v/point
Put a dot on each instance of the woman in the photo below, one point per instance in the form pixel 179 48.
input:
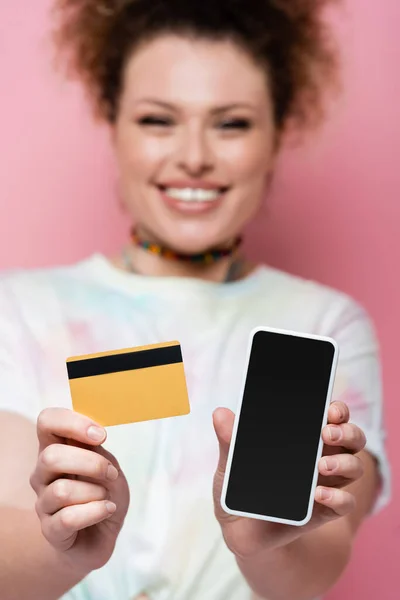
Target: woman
pixel 198 97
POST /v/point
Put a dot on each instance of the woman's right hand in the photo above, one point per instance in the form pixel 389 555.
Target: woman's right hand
pixel 82 494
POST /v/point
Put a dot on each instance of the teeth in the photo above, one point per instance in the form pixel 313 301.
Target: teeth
pixel 192 194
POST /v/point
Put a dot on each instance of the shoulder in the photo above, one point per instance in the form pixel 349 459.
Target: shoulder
pixel 33 292
pixel 332 311
pixel 282 283
pixel 21 279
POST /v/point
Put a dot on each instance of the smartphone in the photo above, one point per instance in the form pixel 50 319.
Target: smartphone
pixel 272 466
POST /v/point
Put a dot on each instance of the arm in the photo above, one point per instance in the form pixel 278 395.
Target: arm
pixel 282 562
pixel 27 561
pixel 314 562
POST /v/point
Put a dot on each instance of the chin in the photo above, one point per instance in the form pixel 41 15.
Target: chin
pixel 190 244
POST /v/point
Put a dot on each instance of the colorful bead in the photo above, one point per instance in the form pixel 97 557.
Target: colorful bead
pixel 204 257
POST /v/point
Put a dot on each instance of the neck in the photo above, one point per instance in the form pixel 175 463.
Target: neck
pixel 141 261
pixel 145 263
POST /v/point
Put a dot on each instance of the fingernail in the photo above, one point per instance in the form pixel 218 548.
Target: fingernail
pixel 96 433
pixel 331 464
pixel 111 507
pixel 339 413
pixel 112 473
pixel 335 433
pixel 325 494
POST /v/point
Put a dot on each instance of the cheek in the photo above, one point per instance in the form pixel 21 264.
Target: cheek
pixel 249 162
pixel 140 158
pixel 249 165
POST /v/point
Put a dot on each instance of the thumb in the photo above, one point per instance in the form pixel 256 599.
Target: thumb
pixel 223 420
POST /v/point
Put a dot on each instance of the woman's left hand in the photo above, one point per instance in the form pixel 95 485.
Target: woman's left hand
pixel 338 467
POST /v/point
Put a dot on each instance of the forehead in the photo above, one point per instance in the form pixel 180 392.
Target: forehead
pixel 194 72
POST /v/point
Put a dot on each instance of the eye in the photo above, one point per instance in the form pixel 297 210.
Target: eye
pixel 155 121
pixel 235 124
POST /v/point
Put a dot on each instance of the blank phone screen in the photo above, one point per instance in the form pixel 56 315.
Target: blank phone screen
pixel 279 426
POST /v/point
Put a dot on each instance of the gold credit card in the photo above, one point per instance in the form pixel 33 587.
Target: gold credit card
pixel 129 385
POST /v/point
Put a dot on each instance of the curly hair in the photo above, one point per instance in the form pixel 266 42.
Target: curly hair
pixel 288 38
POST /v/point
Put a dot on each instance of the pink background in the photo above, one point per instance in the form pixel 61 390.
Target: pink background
pixel 334 216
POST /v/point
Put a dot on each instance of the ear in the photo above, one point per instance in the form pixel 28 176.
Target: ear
pixel 273 158
pixel 113 135
pixel 113 141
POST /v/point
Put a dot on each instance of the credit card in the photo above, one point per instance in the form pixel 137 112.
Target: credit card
pixel 129 385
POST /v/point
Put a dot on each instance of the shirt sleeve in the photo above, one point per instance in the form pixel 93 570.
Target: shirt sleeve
pixel 358 383
pixel 19 391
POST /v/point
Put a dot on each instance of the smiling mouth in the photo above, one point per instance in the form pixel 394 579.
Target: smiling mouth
pixel 190 194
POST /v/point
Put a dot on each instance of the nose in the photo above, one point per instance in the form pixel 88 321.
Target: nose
pixel 194 155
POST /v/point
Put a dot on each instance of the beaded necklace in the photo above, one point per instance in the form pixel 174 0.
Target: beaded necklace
pixel 206 258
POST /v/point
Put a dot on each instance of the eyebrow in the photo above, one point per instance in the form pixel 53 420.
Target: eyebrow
pixel 216 110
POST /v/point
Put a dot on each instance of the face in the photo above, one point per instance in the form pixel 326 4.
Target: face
pixel 194 141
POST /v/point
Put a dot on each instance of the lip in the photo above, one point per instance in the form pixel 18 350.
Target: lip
pixel 195 184
pixel 191 208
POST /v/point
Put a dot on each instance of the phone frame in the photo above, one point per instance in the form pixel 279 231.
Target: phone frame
pixel 237 417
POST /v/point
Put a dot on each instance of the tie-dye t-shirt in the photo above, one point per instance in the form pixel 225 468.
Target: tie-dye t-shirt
pixel 171 547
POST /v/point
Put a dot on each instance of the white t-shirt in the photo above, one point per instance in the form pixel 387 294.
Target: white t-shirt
pixel 171 546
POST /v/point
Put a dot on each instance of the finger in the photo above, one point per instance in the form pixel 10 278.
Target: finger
pixel 58 424
pixel 341 465
pixel 223 420
pixel 67 492
pixel 340 501
pixel 59 459
pixel 338 412
pixel 64 524
pixel 347 435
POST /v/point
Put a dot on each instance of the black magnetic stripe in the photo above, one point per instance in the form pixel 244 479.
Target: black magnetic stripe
pixel 114 363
